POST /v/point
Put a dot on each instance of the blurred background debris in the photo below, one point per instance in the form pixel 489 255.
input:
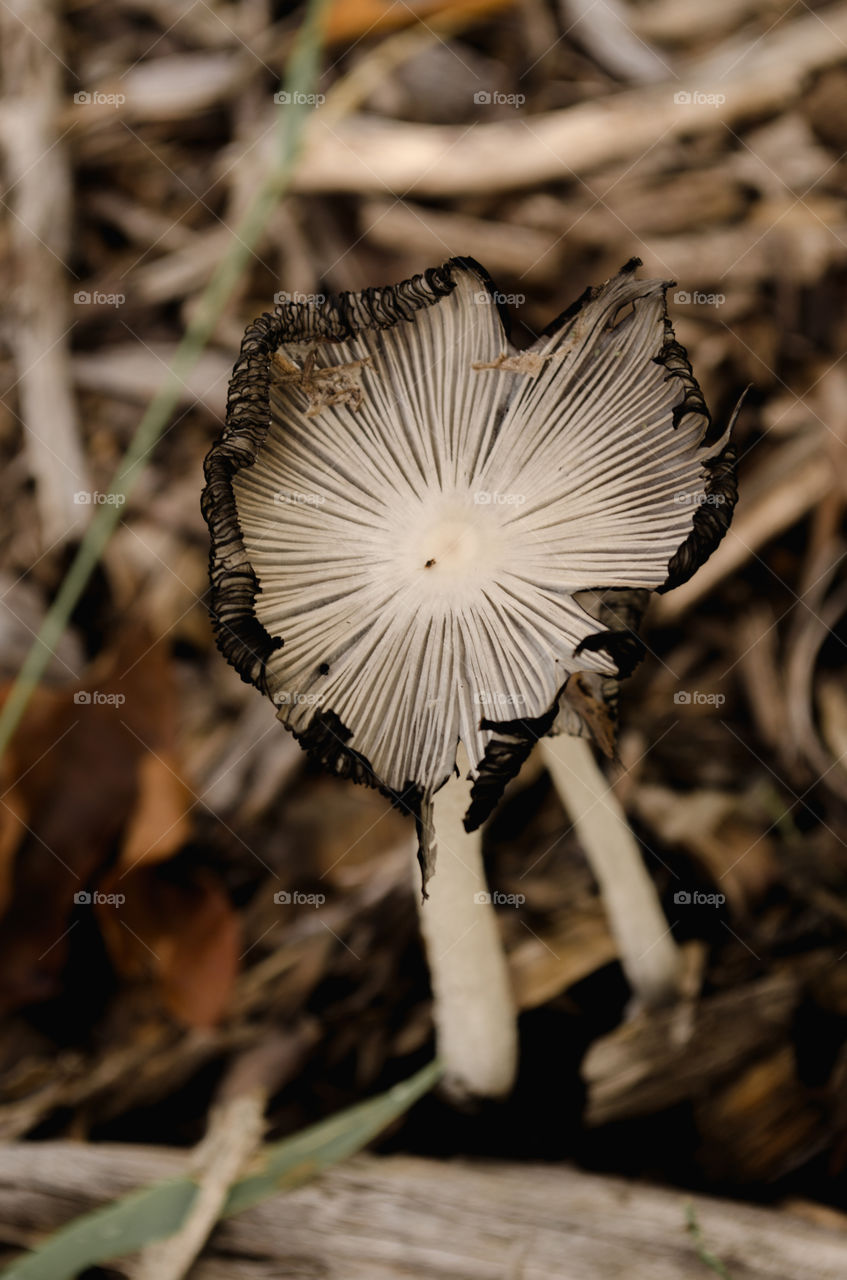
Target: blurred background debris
pixel 179 887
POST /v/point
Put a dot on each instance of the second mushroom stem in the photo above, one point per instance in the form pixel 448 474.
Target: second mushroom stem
pixel 474 1010
pixel 650 958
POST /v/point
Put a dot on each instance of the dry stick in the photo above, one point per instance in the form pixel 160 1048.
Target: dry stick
pixel 474 1009
pixel 419 229
pixel 39 184
pixel 651 959
pixel 689 22
pixel 300 79
pixel 370 156
pixel 606 33
pixel 236 1125
pixel 235 1130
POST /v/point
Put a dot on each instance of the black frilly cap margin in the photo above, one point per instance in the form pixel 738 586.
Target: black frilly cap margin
pixel 240 635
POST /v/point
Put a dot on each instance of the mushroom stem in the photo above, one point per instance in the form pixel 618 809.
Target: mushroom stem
pixel 474 1009
pixel 651 959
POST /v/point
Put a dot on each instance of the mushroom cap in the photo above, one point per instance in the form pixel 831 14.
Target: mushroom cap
pixel 420 534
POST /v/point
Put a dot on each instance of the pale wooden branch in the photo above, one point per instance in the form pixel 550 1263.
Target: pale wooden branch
pixel 389 1218
pixel 39 186
pixel 369 155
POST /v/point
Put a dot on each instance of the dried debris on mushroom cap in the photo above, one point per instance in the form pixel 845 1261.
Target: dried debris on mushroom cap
pixel 420 534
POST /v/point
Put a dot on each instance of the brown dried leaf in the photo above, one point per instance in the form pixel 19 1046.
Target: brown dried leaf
pixel 182 936
pixel 159 824
pixel 79 774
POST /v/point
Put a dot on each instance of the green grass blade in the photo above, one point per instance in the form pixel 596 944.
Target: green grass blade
pixel 295 1160
pixel 110 1232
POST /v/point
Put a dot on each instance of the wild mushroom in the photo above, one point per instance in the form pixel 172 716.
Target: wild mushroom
pixel 420 536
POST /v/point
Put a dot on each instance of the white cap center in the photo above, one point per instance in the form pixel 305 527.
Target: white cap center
pixel 450 546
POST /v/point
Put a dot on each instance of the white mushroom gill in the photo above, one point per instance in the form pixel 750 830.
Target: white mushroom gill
pixel 419 549
pixel 409 519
